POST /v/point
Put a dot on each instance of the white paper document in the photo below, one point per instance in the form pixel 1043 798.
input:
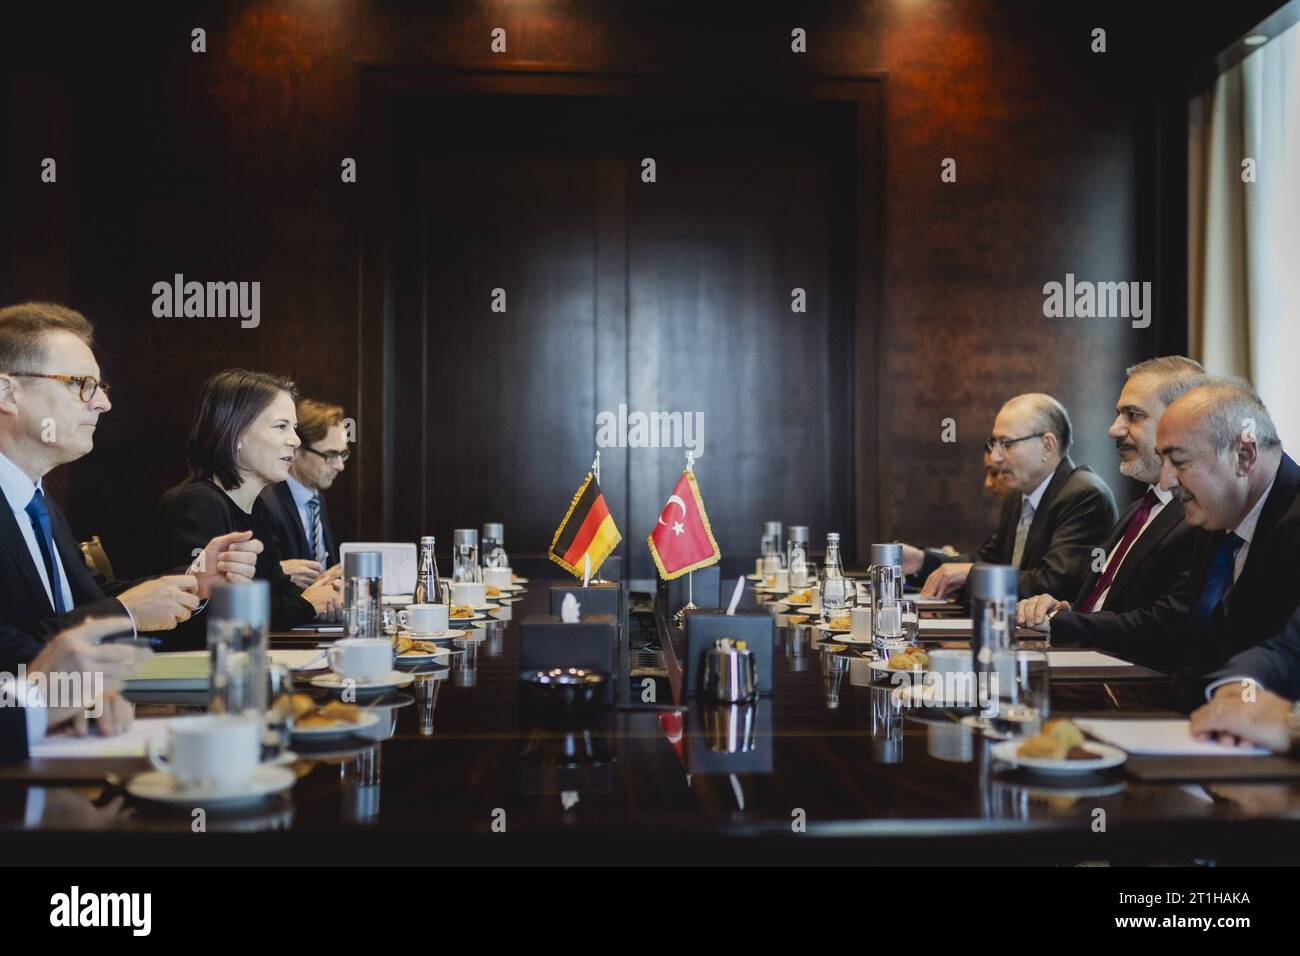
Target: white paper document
pixel 1084 659
pixel 947 624
pixel 1162 738
pixel 130 744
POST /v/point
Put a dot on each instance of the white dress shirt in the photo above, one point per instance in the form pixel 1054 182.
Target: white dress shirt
pixel 302 496
pixel 18 491
pixel 1162 498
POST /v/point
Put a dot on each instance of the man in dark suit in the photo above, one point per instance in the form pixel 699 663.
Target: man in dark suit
pixel 27 711
pixel 51 397
pixel 300 520
pixel 1253 698
pixel 1056 513
pixel 1222 458
pixel 1149 547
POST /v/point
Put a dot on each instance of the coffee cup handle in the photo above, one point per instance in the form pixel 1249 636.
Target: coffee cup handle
pixel 159 761
pixel 403 617
pixel 332 656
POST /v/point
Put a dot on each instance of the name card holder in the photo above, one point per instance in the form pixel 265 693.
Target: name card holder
pixel 705 627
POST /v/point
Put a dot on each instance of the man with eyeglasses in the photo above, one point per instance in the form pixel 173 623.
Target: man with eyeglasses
pixel 1056 512
pixel 51 397
pixel 1222 458
pixel 1148 549
pixel 300 521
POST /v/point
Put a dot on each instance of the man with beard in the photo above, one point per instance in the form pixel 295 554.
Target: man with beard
pixel 1221 456
pixel 1148 549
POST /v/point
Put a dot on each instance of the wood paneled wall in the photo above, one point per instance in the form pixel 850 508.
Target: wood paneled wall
pixel 225 165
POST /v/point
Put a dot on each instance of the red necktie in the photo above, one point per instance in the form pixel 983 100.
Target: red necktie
pixel 1130 534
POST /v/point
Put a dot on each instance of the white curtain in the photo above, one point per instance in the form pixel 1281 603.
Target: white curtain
pixel 1244 237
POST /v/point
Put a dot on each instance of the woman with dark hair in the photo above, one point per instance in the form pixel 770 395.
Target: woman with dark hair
pixel 242 440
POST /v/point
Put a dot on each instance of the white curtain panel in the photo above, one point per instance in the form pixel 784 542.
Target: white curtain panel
pixel 1244 237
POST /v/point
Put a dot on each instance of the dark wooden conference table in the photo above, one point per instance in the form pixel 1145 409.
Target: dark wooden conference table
pixel 833 775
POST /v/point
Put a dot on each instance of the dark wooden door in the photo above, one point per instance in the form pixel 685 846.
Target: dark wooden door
pixel 665 296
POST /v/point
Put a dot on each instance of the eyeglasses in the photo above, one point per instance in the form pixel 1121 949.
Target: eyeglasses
pixel 87 384
pixel 994 444
pixel 330 456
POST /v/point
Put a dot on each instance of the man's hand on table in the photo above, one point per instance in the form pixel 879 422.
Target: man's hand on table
pixel 1239 719
pixel 946 580
pixel 1037 612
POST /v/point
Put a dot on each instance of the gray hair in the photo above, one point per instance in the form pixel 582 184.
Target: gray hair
pixel 1232 410
pixel 1050 416
pixel 1177 375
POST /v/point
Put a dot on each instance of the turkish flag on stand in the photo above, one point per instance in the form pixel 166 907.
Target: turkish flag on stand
pixel 682 541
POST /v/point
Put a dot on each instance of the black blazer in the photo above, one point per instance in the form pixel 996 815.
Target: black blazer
pixel 1154 564
pixel 1255 609
pixel 192 514
pixel 24 604
pixel 1074 516
pixel 285 525
pixel 1275 664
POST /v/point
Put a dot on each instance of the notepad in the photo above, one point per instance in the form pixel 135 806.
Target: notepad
pixel 175 670
pixel 1162 738
pixel 130 744
pixel 1084 659
pixel 947 624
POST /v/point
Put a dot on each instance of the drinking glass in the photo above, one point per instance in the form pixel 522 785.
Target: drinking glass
pixel 911 619
pixel 1023 691
pixel 837 597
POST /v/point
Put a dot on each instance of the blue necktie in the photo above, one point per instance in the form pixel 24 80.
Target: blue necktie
pixel 1217 581
pixel 40 516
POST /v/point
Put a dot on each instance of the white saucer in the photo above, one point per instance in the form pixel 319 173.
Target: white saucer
pixel 161 787
pixel 827 629
pixel 1108 757
pixel 883 668
pixel 433 637
pixel 367 718
pixel 332 681
pixel 424 657
pixel 456 621
pixel 518 580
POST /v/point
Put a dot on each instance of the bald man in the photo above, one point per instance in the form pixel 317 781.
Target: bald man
pixel 1056 512
pixel 1221 456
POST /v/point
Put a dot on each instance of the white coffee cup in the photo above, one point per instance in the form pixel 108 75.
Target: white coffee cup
pixel 498 577
pixel 468 592
pixel 860 621
pixel 424 618
pixel 362 658
pixel 217 751
pixel 782 579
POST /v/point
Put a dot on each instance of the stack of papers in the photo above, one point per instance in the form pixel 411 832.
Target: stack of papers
pixel 1160 738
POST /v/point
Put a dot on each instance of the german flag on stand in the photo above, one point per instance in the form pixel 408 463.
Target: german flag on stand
pixel 588 529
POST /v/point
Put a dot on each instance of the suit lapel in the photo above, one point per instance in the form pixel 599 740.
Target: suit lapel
pixel 12 537
pixel 291 518
pixel 82 586
pixel 1038 526
pixel 1285 487
pixel 1170 517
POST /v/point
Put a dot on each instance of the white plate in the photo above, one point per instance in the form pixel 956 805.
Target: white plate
pixel 1108 757
pixel 333 681
pixel 882 667
pixel 434 637
pixel 367 718
pixel 827 629
pixel 424 657
pixel 160 787
pixel 466 620
pixel 518 580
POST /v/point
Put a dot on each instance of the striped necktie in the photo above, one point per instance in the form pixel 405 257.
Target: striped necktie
pixel 317 542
